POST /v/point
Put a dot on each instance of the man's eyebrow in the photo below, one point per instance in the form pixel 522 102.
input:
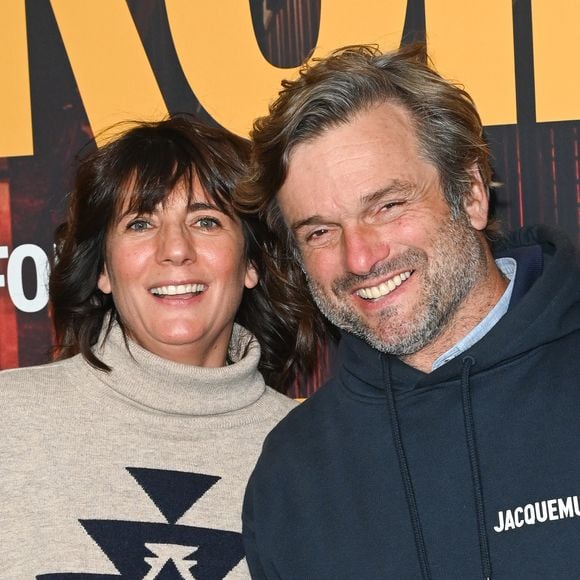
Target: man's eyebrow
pixel 394 188
pixel 397 187
pixel 309 221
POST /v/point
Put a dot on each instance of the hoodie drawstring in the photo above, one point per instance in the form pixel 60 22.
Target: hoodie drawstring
pixel 469 424
pixel 406 474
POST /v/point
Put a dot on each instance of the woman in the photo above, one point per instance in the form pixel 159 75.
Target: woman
pixel 129 455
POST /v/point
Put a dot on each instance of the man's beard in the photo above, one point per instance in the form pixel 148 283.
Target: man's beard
pixel 457 264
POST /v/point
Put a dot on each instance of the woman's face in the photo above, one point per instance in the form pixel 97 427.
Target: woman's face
pixel 177 277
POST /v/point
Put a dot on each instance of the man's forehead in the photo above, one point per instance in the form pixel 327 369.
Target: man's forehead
pixel 380 139
pixel 385 130
pixel 383 113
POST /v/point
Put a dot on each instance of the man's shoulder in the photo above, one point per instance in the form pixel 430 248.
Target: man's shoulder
pixel 304 424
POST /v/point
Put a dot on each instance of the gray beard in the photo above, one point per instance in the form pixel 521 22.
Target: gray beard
pixel 456 266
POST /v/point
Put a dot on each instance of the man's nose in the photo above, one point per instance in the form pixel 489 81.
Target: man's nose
pixel 363 248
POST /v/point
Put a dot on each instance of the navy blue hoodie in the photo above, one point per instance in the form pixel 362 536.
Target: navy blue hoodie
pixel 470 471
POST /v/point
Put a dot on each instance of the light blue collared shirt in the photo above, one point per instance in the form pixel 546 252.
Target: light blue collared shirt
pixel 508 266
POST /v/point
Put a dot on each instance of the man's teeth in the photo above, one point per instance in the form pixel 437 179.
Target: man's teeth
pixel 384 288
pixel 174 290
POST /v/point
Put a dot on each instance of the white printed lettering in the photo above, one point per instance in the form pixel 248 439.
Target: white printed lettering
pixel 538 512
pixel 500 527
pixel 529 515
pixel 553 509
pixel 14 278
pixel 543 515
pixel 565 508
pixel 518 517
pixel 509 521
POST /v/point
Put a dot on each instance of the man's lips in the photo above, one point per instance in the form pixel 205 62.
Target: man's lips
pixel 384 288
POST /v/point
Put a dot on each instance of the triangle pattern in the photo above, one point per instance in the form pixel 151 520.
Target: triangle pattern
pixel 169 572
pixel 173 492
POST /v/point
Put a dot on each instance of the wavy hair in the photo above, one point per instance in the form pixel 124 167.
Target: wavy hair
pixel 141 166
pixel 330 91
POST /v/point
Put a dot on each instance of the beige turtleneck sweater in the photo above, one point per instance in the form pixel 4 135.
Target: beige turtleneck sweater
pixel 137 473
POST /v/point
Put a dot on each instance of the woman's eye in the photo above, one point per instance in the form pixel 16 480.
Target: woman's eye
pixel 207 223
pixel 138 225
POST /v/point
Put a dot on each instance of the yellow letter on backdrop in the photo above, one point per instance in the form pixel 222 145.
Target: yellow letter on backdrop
pixel 472 43
pixel 555 24
pixel 223 64
pixel 15 114
pixel 113 74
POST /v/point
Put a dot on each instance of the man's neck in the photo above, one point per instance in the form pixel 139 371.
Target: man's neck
pixel 480 301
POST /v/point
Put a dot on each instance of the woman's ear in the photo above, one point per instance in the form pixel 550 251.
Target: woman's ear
pixel 104 282
pixel 252 277
pixel 476 205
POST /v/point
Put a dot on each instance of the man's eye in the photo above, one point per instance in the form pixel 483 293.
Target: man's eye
pixel 316 237
pixel 386 211
pixel 138 225
pixel 390 205
pixel 316 234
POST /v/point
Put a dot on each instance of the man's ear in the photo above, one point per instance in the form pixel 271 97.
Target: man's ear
pixel 104 282
pixel 476 204
pixel 252 277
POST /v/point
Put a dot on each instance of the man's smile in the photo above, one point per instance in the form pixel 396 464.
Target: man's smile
pixel 374 292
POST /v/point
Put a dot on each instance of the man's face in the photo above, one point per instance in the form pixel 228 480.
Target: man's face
pixel 383 256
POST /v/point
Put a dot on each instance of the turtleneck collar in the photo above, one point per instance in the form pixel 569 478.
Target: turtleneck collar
pixel 178 389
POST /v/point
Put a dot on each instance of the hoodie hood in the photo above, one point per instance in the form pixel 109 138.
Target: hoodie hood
pixel 548 267
pixel 552 306
pixel 544 308
pixel 469 471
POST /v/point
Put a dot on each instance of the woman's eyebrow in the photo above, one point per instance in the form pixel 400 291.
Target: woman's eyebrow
pixel 202 205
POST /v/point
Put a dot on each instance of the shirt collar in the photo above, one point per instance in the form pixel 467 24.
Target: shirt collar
pixel 508 267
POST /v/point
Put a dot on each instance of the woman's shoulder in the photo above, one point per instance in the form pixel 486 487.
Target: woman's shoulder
pixel 21 380
pixel 280 405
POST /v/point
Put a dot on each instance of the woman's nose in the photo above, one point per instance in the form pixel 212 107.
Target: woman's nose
pixel 175 245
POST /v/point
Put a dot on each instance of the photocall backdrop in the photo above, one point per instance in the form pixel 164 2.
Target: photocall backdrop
pixel 71 69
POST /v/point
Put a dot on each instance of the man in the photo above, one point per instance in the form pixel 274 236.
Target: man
pixel 447 443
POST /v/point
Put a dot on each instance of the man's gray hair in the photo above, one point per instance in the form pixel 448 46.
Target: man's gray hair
pixel 330 91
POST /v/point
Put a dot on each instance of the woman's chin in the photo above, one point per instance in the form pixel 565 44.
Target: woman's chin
pixel 187 343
